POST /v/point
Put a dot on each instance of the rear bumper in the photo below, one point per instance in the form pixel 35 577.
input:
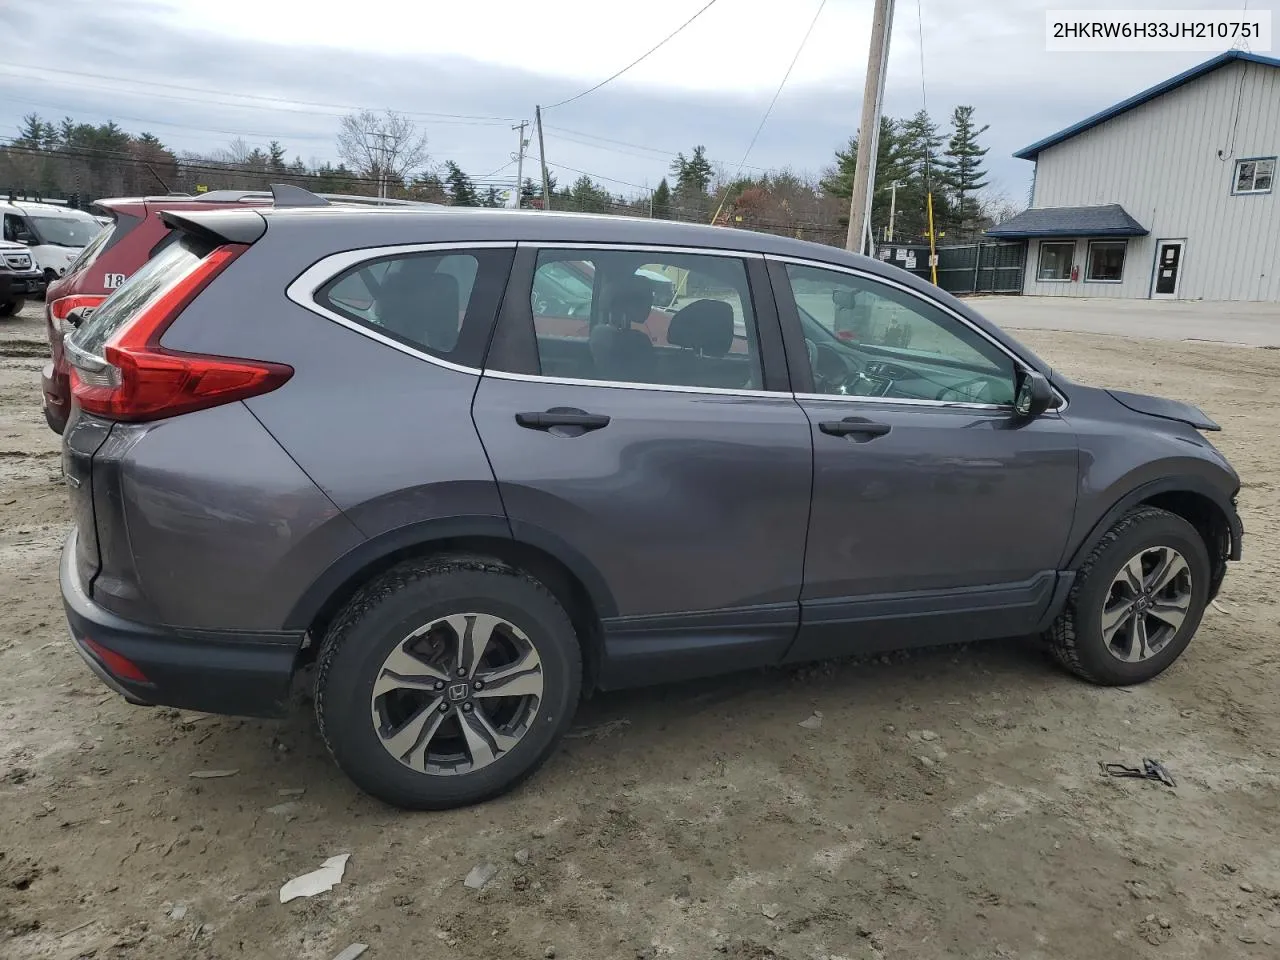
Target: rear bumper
pixel 55 397
pixel 214 672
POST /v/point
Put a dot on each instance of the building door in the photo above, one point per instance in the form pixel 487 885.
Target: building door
pixel 1168 269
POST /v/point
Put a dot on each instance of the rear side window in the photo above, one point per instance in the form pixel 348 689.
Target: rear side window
pixel 147 285
pixel 442 303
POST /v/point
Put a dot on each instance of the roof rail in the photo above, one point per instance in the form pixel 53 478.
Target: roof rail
pixel 287 195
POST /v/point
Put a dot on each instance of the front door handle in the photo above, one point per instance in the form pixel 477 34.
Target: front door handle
pixel 860 428
pixel 562 417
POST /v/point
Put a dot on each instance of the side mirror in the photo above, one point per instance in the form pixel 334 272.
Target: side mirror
pixel 1034 395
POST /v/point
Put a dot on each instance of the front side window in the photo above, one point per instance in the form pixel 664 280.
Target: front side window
pixel 15 230
pixel 1255 176
pixel 1056 261
pixel 626 316
pixel 1106 261
pixel 865 338
pixel 421 299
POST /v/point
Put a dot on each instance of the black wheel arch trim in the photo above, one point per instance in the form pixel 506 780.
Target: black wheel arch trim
pixel 424 533
pixel 1142 493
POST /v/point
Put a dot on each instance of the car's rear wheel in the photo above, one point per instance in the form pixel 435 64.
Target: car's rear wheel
pixel 447 682
pixel 1136 602
pixel 11 307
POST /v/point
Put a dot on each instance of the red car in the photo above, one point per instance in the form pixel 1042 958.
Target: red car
pixel 112 256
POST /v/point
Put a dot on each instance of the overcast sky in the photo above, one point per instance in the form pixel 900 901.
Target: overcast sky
pixel 467 70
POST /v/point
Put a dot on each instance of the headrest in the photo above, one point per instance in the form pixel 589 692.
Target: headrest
pixel 705 326
pixel 629 301
pixel 421 306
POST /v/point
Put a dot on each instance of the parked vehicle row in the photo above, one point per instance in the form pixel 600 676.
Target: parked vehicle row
pixel 55 235
pixel 370 438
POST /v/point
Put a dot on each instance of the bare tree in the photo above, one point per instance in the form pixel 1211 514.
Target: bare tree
pixel 995 206
pixel 382 145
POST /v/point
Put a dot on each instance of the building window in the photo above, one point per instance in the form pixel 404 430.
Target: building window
pixel 1255 175
pixel 1106 261
pixel 1056 261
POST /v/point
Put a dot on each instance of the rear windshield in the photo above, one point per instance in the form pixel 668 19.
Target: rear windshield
pixel 156 277
pixel 90 253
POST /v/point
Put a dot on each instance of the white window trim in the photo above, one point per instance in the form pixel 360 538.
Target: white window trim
pixel 1235 177
pixel 1089 254
pixel 1040 255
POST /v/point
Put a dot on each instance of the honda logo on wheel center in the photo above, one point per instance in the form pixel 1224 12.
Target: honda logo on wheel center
pixel 458 691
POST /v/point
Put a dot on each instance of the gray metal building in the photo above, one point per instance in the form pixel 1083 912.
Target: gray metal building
pixel 1169 194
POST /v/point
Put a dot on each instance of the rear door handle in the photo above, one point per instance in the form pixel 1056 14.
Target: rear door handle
pixel 860 428
pixel 562 417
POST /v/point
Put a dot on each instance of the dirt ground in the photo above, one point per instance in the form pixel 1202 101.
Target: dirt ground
pixel 949 805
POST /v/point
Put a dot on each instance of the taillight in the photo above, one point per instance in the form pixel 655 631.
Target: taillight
pixel 64 305
pixel 137 379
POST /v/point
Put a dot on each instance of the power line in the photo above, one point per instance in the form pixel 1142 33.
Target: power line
pixel 596 176
pixel 657 151
pixel 777 93
pixel 246 96
pixel 643 56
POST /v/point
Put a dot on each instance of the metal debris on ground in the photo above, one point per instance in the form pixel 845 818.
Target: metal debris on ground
pixel 770 910
pixel 353 951
pixel 480 874
pixel 291 791
pixel 1150 770
pixel 317 881
pixel 814 722
pixel 178 912
pixel 286 809
pixel 212 774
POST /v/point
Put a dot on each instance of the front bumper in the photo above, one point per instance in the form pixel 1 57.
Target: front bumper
pixel 211 671
pixel 23 284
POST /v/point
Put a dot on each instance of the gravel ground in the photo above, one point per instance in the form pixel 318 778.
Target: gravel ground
pixel 948 805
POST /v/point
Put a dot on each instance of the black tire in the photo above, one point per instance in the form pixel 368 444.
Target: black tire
pixel 12 307
pixel 1076 637
pixel 388 609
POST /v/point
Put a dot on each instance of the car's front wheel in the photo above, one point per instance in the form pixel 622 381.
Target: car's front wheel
pixel 447 682
pixel 1136 601
pixel 12 307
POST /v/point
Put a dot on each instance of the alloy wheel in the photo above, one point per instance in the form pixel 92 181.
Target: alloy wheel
pixel 457 694
pixel 1146 604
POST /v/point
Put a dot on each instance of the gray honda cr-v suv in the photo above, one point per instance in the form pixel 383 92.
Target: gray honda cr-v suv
pixel 463 461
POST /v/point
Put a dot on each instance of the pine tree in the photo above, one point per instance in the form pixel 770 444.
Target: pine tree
pixel 963 163
pixel 529 192
pixel 662 201
pixel 921 149
pixel 461 191
pixel 493 197
pixel 693 177
pixel 275 157
pixel 31 134
pixel 890 166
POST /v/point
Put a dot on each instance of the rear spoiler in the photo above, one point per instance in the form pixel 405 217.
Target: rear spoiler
pixel 218 226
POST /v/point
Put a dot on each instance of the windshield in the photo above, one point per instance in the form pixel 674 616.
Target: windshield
pixel 64 231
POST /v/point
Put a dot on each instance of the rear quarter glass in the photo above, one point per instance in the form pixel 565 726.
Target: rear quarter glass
pixel 150 283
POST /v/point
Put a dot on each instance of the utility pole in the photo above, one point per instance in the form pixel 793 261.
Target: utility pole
pixel 520 161
pixel 869 130
pixel 382 164
pixel 542 157
pixel 893 208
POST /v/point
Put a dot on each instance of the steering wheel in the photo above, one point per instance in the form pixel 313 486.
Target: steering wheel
pixel 834 371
